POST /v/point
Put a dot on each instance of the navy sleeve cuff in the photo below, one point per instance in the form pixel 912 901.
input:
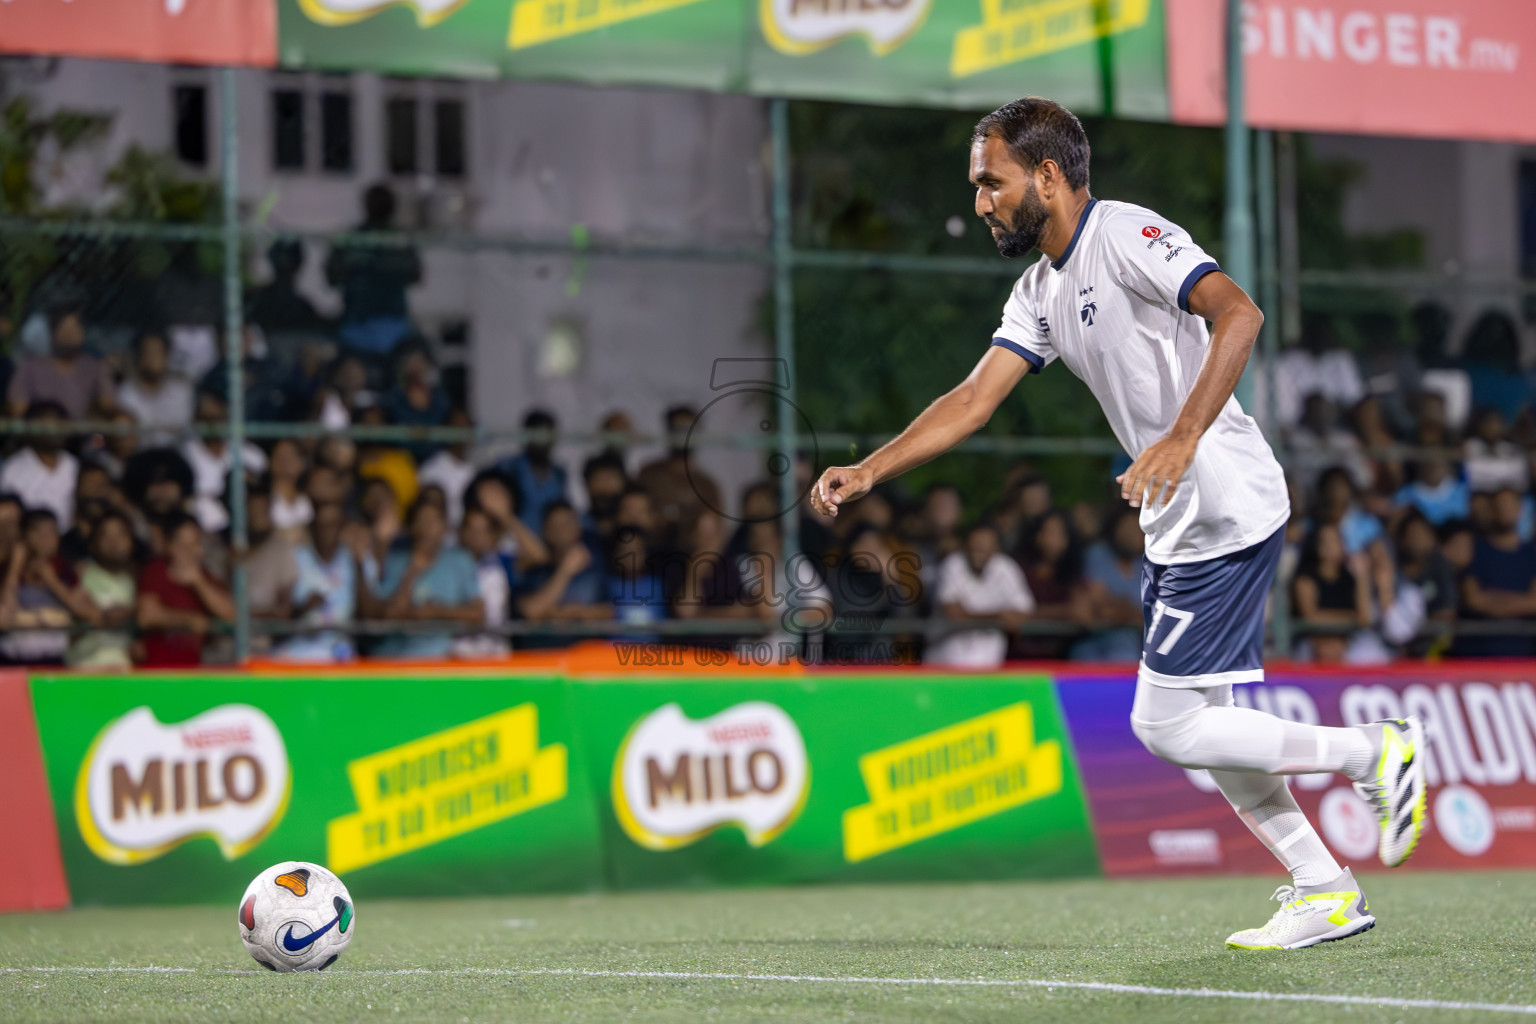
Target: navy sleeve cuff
pixel 1190 279
pixel 1036 363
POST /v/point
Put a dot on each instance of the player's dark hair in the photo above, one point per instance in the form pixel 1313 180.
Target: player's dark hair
pixel 1037 129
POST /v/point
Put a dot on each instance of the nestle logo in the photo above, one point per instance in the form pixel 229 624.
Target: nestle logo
pixel 199 739
pixel 1186 846
pixel 1151 232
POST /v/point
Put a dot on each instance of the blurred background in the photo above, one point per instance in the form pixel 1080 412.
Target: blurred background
pixel 341 330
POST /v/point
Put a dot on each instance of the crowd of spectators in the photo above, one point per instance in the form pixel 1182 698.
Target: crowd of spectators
pixel 1411 481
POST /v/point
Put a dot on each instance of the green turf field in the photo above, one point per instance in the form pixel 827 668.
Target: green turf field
pixel 919 953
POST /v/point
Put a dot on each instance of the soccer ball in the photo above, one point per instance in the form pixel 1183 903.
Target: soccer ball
pixel 296 916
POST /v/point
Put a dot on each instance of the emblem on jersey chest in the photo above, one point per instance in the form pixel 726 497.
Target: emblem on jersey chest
pixel 1090 308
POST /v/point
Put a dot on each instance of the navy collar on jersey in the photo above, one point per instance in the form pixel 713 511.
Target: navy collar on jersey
pixel 1076 234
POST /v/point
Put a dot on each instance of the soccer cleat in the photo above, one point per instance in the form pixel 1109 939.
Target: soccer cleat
pixel 1398 792
pixel 1307 919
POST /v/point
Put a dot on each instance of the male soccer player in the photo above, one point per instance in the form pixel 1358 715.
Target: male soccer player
pixel 1121 296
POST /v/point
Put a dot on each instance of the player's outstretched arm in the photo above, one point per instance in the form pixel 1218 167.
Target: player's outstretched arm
pixel 1235 326
pixel 951 418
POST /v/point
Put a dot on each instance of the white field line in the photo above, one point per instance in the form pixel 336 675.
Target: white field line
pixel 815 979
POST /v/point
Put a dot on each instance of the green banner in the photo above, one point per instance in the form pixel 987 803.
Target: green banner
pixel 1093 55
pixel 181 789
pixel 836 778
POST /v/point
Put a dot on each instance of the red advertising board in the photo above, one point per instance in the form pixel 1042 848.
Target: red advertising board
pixel 1441 68
pixel 1155 818
pixel 171 31
pixel 31 871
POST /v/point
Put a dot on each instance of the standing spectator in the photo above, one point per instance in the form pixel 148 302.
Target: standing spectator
pixel 1492 358
pixel 1319 442
pixel 679 489
pixel 278 307
pixel 67 377
pixel 178 600
pixel 1112 567
pixel 1331 590
pixel 41 596
pixel 43 474
pixel 372 276
pixel 325 594
pixel 211 460
pixel 1424 571
pixel 978 584
pixel 291 507
pixel 159 401
pixel 538 482
pixel 620 435
pixel 571 585
pixel 451 469
pixel 430 582
pixel 417 399
pixel 1053 565
pixel 107 577
pixel 1316 366
pixel 1500 583
pixel 1435 494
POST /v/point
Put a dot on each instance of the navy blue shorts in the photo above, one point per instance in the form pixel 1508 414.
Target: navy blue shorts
pixel 1204 621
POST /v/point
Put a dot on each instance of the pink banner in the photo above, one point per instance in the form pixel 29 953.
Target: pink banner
pixel 1439 68
pixel 172 31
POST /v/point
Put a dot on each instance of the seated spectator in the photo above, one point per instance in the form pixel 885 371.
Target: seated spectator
pixel 387 461
pixel 450 468
pixel 113 450
pixel 1435 493
pixel 108 578
pixel 1371 428
pixel 41 597
pixel 43 474
pixel 271 566
pixel 178 600
pixel 1318 442
pixel 538 482
pixel 935 530
pixel 1337 506
pixel 789 593
pixel 679 487
pixel 326 485
pixel 1331 589
pixel 1423 571
pixel 1500 583
pixel 571 585
pixel 1317 366
pixel 430 582
pixel 417 400
pixel 211 460
pixel 1053 566
pixel 11 513
pixel 980 585
pixel 278 307
pixel 635 587
pixel 158 485
pixel 492 494
pixel 344 394
pixel 95 496
pixel 324 596
pixel 77 383
pixel 372 278
pixel 1492 359
pixel 873 585
pixel 605 482
pixel 1493 461
pixel 710 587
pixel 619 435
pixel 159 401
pixel 1112 568
pixel 496 571
pixel 291 507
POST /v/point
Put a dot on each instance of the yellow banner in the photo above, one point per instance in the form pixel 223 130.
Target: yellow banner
pixel 444 785
pixel 541 21
pixel 1015 30
pixel 948 778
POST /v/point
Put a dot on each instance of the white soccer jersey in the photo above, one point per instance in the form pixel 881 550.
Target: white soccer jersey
pixel 1115 310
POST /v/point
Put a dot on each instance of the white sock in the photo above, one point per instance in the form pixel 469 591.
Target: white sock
pixel 1199 727
pixel 1266 805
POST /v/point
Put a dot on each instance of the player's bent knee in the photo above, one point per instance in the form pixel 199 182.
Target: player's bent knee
pixel 1171 739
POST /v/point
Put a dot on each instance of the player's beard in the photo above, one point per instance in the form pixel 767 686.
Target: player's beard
pixel 1023 235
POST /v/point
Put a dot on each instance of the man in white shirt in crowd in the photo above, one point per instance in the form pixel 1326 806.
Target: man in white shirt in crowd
pixel 979 584
pixel 159 400
pixel 43 474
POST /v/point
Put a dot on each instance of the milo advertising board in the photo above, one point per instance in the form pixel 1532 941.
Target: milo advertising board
pixel 851 777
pixel 180 789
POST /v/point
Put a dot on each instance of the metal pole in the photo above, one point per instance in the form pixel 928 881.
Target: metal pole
pixel 1269 290
pixel 784 325
pixel 1290 238
pixel 1239 218
pixel 234 331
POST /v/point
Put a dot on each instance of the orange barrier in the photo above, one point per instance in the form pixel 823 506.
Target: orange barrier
pixel 31 872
